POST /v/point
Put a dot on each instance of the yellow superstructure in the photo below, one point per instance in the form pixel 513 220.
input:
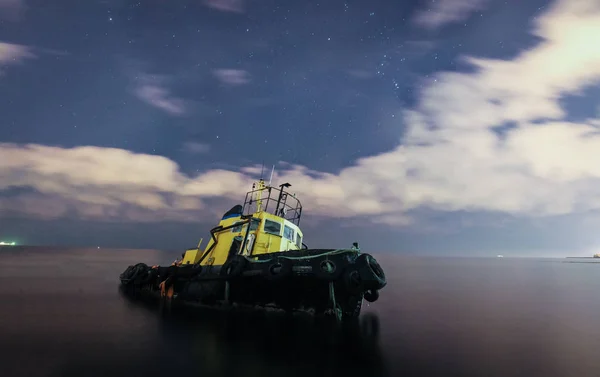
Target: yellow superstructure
pixel 257 232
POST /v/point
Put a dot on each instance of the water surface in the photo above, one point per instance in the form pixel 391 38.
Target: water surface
pixel 61 314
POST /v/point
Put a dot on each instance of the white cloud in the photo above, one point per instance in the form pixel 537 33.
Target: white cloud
pixel 115 183
pixel 441 12
pixel 232 76
pixel 11 54
pixel 95 181
pixel 547 167
pixel 11 3
pixel 450 158
pixel 152 90
pixel 236 6
pixel 11 9
pixel 195 147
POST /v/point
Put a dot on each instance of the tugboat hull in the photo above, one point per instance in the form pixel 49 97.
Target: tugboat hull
pixel 325 281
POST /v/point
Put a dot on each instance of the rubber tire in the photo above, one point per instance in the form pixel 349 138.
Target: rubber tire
pixel 371 272
pixel 234 267
pixel 324 275
pixel 284 271
pixel 131 273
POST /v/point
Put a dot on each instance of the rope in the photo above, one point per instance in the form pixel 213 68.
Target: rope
pixel 328 253
pixel 337 251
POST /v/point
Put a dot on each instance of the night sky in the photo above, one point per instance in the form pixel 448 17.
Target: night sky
pixel 454 127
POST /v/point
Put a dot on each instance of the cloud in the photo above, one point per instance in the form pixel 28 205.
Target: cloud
pixel 542 165
pixel 236 6
pixel 232 76
pixel 196 148
pixel 109 183
pixel 11 4
pixel 11 9
pixel 442 12
pixel 152 90
pixel 11 54
pixel 494 139
pixel 99 182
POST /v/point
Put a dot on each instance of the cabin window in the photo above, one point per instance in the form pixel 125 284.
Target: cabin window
pixel 254 223
pixel 288 233
pixel 299 240
pixel 272 227
pixel 237 228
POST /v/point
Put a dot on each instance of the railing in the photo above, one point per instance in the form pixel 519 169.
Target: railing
pixel 274 200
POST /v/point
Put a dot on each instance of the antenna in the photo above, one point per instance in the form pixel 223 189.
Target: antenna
pixel 270 179
pixel 262 169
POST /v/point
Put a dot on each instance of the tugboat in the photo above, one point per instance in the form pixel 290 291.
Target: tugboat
pixel 257 257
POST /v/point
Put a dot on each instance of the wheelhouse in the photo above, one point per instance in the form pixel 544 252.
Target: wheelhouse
pixel 274 220
pixel 267 222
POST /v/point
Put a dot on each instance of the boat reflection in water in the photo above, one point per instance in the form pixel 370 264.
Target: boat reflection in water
pixel 213 342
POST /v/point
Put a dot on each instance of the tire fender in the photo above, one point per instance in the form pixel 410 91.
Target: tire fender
pixel 234 267
pixel 279 269
pixel 371 272
pixel 326 269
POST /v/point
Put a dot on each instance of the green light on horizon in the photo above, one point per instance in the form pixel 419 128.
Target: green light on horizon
pixel 2 243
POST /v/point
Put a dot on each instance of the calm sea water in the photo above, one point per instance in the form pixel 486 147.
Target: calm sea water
pixel 61 314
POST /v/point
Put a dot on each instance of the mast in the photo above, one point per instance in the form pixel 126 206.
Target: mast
pixel 261 186
pixel 262 169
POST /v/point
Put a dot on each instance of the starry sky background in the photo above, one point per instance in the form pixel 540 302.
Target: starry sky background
pixel 186 100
